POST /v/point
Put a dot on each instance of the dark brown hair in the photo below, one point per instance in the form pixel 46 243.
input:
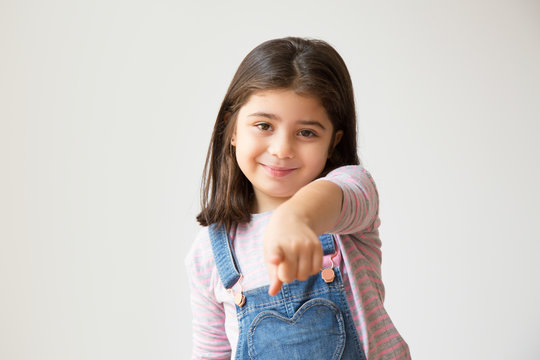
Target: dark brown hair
pixel 309 67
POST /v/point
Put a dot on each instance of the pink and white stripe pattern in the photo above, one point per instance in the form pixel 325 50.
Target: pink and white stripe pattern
pixel 215 328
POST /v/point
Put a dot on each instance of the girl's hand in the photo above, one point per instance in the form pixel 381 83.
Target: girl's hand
pixel 292 250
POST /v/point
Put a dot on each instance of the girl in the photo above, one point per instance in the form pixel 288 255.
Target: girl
pixel 287 265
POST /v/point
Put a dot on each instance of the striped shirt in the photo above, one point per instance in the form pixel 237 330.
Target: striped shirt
pixel 215 326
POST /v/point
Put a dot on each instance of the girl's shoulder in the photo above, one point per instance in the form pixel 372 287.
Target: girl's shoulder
pixel 349 170
pixel 200 256
pixel 349 175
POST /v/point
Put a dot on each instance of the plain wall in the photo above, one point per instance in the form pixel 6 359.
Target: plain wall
pixel 106 111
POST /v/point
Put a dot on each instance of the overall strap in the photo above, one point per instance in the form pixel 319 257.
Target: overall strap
pixel 327 242
pixel 226 263
pixel 224 257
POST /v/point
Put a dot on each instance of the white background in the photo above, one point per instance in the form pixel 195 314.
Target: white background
pixel 106 110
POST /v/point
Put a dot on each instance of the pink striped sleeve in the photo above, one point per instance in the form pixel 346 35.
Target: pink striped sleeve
pixel 209 338
pixel 360 208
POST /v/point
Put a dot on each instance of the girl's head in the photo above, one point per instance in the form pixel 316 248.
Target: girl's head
pixel 309 73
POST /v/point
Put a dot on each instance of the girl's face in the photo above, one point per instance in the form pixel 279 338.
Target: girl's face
pixel 282 143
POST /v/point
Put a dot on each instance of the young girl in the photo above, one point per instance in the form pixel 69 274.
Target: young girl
pixel 287 265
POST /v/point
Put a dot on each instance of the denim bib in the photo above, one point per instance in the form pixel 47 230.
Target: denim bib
pixel 305 320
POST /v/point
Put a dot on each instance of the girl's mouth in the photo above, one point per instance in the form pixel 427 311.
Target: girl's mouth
pixel 277 171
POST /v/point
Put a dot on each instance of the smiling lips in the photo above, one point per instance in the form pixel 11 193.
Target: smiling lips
pixel 277 171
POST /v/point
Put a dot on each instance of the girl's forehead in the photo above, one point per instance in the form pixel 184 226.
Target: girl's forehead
pixel 285 101
pixel 280 93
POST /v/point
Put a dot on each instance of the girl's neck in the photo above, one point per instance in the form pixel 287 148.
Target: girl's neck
pixel 261 214
pixel 261 207
pixel 264 204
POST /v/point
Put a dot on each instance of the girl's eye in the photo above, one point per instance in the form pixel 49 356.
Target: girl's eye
pixel 263 126
pixel 307 133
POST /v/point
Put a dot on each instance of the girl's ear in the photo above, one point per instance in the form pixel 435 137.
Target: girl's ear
pixel 337 138
pixel 233 136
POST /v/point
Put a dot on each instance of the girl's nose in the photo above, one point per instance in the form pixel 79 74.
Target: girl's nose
pixel 281 147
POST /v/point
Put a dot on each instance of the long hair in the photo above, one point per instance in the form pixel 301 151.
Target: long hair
pixel 308 67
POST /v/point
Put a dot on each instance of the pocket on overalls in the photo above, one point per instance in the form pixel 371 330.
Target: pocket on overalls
pixel 316 331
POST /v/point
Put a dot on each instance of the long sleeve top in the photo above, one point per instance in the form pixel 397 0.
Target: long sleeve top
pixel 215 326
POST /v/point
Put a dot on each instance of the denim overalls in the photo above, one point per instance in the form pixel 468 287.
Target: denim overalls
pixel 305 320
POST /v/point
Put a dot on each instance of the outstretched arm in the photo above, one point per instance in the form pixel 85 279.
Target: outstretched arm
pixel 292 249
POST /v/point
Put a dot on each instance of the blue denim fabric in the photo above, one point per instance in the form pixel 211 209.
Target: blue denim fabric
pixel 305 320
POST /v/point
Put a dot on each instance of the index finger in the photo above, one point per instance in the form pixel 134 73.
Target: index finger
pixel 275 283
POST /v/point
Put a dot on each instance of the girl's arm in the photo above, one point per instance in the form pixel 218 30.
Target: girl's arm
pixel 208 321
pixel 208 327
pixel 345 201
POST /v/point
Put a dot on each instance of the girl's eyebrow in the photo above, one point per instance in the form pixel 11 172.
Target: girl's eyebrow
pixel 277 118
